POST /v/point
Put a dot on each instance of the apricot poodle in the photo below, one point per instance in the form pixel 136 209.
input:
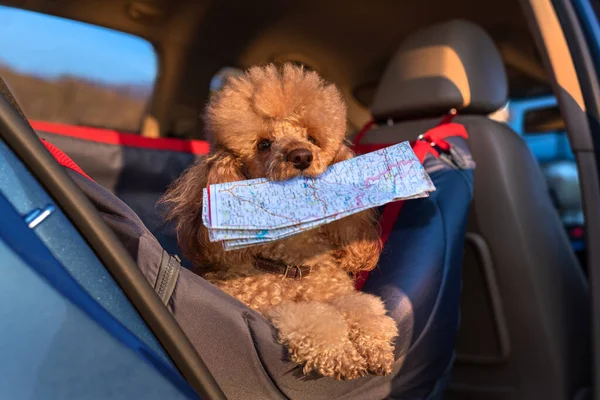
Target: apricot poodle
pixel 280 123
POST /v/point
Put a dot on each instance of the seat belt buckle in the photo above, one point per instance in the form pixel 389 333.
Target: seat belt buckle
pixel 445 152
pixel 447 158
pixel 446 155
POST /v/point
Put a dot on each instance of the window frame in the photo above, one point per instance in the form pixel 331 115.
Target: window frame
pixel 562 43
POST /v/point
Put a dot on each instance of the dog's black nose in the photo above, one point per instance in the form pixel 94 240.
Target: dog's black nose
pixel 301 158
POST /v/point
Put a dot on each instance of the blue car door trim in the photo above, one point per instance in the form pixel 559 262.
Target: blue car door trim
pixel 24 242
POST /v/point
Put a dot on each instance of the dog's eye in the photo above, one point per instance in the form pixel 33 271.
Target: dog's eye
pixel 264 144
pixel 312 140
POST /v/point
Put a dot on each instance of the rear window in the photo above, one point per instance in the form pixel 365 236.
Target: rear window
pixel 74 73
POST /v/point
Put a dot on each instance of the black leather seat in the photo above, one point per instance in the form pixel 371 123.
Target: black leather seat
pixel 525 317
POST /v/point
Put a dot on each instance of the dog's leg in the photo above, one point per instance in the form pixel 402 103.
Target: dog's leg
pixel 316 336
pixel 370 329
pixel 357 240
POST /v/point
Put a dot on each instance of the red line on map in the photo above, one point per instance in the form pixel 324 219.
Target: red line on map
pixel 256 204
pixel 359 198
pixel 318 198
pixel 388 170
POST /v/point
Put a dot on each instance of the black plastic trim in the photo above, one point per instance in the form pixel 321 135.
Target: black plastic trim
pixel 588 166
pixel 583 130
pixel 485 262
pixel 21 138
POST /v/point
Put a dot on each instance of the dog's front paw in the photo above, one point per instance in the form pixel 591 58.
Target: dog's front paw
pixel 378 348
pixel 371 331
pixel 341 361
pixel 316 336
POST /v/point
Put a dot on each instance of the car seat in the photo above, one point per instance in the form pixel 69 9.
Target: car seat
pixel 418 278
pixel 525 303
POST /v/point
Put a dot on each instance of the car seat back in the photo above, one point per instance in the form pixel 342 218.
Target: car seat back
pixel 525 316
pixel 135 169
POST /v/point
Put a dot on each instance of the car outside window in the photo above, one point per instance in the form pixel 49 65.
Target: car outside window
pixel 69 72
pixel 539 122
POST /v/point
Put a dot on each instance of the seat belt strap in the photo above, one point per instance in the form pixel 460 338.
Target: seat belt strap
pixel 63 159
pixel 431 142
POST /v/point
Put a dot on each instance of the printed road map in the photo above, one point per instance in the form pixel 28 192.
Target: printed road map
pixel 257 211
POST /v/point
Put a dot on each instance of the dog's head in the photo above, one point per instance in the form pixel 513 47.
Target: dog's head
pixel 279 122
pixel 269 122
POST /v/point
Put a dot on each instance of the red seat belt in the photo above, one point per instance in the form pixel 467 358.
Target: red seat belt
pixel 427 143
pixel 63 159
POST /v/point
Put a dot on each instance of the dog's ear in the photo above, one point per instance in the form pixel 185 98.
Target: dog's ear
pixel 223 167
pixel 182 202
pixel 344 153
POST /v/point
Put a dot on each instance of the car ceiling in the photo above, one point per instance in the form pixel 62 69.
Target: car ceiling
pixel 347 41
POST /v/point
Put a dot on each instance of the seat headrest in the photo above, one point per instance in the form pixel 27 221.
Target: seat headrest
pixel 450 65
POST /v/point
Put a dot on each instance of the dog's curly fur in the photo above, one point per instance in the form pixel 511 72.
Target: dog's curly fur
pixel 326 324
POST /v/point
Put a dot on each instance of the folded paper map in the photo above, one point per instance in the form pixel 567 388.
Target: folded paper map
pixel 257 211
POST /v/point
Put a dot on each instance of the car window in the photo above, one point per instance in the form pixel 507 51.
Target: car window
pixel 64 242
pixel 69 72
pixel 539 122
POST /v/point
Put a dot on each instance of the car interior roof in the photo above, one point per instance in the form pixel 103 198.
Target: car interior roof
pixel 347 41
